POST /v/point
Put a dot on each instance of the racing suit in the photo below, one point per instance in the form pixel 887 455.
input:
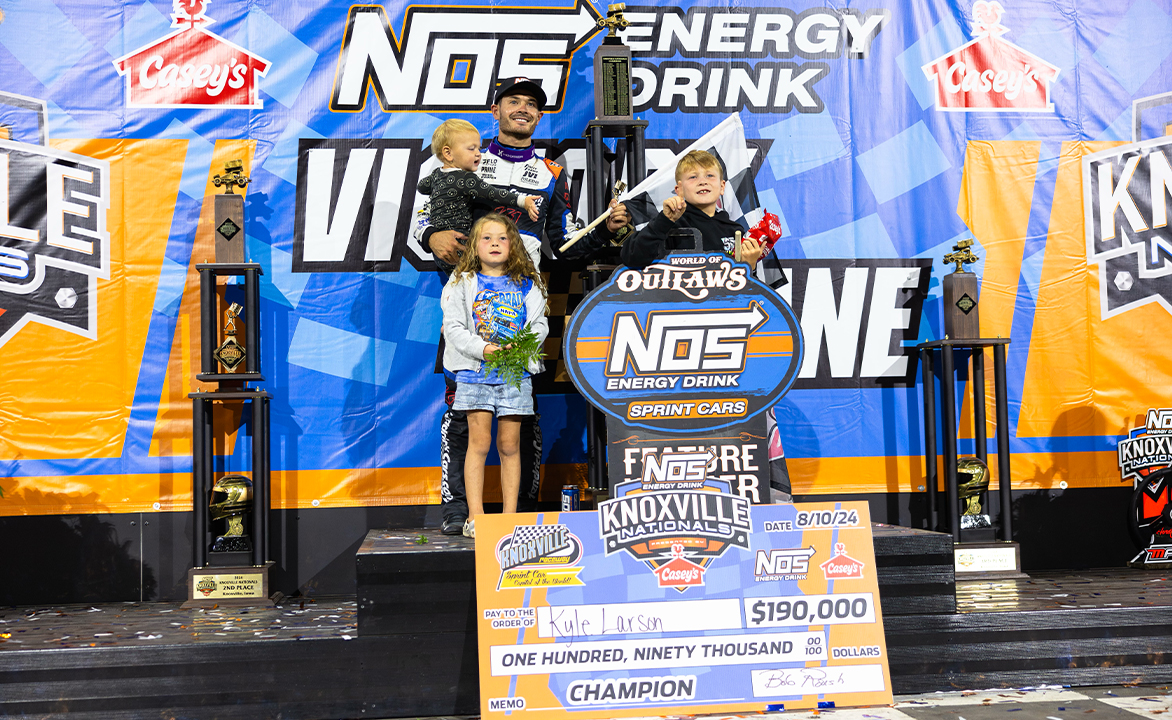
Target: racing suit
pixel 522 171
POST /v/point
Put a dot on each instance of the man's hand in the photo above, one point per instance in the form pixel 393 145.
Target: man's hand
pixel 447 245
pixel 489 349
pixel 751 251
pixel 531 207
pixel 673 208
pixel 618 216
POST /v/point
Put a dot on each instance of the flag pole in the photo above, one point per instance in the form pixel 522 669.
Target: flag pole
pixel 582 233
pixel 654 178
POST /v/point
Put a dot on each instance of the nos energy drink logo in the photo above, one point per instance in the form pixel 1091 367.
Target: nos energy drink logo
pixel 689 343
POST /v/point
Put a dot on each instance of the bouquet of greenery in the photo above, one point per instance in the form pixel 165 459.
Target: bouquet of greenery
pixel 513 359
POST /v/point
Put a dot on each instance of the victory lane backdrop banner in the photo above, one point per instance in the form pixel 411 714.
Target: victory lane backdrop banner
pixel 692 600
pixel 880 133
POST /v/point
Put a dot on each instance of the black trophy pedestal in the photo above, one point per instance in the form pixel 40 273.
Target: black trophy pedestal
pixel 237 558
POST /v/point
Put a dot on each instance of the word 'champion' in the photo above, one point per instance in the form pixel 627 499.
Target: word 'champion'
pixel 622 690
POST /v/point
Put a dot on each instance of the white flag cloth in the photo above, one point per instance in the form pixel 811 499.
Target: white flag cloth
pixel 727 142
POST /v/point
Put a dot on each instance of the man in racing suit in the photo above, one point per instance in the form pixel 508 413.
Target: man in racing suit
pixel 510 162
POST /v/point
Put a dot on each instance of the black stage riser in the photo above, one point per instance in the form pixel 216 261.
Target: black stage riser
pixel 406 675
pixel 145 556
pixel 435 674
pixel 1012 649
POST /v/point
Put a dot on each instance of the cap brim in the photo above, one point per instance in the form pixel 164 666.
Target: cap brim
pixel 523 88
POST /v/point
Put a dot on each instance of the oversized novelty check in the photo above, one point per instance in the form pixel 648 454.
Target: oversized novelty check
pixel 684 597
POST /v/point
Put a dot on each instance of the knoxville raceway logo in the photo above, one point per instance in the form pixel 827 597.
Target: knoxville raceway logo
pixel 53 239
pixel 539 556
pixel 675 519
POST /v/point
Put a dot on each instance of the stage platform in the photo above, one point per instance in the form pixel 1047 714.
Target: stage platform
pixel 346 658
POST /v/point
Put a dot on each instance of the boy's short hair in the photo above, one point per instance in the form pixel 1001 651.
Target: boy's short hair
pixel 697 159
pixel 447 131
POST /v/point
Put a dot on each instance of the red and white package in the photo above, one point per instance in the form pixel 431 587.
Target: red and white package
pixel 767 232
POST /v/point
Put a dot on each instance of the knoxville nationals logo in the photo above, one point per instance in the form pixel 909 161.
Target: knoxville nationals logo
pixel 1147 448
pixel 53 239
pixel 675 519
pixel 689 343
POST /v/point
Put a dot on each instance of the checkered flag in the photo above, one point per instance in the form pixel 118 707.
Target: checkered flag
pixel 727 142
pixel 525 533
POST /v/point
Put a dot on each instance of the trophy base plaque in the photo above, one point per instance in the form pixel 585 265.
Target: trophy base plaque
pixel 998 560
pixel 961 314
pixel 230 586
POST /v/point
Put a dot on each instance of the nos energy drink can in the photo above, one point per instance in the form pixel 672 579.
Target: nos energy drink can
pixel 571 498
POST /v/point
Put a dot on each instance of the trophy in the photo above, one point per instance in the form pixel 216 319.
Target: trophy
pixel 972 481
pixel 231 500
pixel 612 69
pixel 961 316
pixel 230 353
pixel 229 213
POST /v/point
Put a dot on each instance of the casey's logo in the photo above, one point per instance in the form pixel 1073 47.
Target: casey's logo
pixel 842 566
pixel 192 67
pixel 991 74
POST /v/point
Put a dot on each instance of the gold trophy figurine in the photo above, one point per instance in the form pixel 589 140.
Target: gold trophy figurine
pixel 230 353
pixel 612 69
pixel 231 500
pixel 614 20
pixel 233 176
pixel 972 480
pixel 229 213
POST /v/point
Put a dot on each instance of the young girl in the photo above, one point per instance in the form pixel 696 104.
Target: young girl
pixel 492 294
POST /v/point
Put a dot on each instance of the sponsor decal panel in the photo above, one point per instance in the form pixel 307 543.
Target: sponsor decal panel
pixel 1156 555
pixel 1145 457
pixel 1147 448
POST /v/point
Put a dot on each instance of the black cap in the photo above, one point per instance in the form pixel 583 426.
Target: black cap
pixel 519 86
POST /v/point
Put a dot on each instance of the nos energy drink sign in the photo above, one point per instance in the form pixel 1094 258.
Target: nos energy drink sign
pixel 691 343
